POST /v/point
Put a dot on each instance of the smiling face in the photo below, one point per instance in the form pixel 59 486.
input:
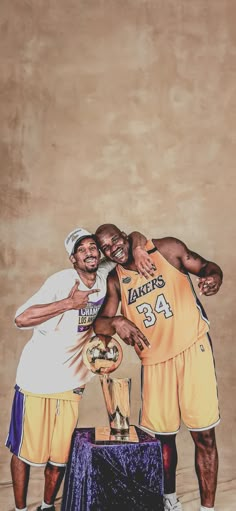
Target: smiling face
pixel 87 256
pixel 113 243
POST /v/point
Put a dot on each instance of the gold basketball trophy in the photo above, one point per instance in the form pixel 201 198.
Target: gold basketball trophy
pixel 103 355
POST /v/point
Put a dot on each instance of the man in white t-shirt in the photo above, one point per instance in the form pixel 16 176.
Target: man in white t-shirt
pixel 51 375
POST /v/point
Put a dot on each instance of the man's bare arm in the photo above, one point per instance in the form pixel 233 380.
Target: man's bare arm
pixel 108 324
pixel 209 273
pixel 37 314
pixel 179 255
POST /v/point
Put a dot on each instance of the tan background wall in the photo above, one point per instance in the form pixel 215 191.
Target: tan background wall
pixel 118 111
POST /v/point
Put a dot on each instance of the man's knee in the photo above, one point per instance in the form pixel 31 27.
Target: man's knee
pixel 204 439
pixel 54 469
pixel 166 439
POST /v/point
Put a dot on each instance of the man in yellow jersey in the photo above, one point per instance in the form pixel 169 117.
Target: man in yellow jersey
pixel 178 374
pixel 51 375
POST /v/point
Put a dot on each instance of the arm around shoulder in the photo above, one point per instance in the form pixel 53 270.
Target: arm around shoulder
pixel 141 257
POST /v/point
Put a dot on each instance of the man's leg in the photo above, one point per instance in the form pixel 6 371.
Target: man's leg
pixel 206 464
pixel 169 454
pixel 65 420
pixel 160 412
pixel 20 472
pixel 53 478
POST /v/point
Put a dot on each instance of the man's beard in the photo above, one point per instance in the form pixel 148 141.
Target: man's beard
pixel 92 270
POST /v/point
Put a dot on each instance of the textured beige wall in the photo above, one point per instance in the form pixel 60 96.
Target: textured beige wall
pixel 118 111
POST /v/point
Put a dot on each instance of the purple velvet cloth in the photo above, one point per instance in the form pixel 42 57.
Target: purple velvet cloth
pixel 114 476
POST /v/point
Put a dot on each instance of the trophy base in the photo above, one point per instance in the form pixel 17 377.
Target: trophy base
pixel 106 435
pixel 121 432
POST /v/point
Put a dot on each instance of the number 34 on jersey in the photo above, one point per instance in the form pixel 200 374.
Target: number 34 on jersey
pixel 150 314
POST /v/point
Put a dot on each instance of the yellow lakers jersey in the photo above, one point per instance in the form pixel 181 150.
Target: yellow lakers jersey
pixel 164 307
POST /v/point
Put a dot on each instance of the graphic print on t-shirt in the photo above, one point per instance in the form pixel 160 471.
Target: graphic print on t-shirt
pixel 87 315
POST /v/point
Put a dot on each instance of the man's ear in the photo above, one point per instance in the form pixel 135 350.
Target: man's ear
pixel 72 259
pixel 124 235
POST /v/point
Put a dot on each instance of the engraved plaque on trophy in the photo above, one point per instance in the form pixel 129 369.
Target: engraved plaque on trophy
pixel 102 356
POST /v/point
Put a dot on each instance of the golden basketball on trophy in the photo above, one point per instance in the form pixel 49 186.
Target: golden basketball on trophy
pixel 102 355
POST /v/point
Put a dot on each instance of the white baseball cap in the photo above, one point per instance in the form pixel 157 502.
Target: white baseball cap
pixel 75 236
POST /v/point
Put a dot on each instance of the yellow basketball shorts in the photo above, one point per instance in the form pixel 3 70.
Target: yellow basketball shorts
pixel 41 426
pixel 183 387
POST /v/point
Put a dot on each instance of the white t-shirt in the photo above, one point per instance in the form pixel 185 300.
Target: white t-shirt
pixel 51 361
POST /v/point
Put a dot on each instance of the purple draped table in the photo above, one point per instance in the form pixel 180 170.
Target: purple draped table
pixel 113 476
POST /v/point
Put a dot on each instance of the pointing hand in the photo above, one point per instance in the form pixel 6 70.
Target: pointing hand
pixel 79 299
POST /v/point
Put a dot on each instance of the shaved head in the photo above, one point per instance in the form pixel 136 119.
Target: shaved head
pixel 113 242
pixel 105 228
